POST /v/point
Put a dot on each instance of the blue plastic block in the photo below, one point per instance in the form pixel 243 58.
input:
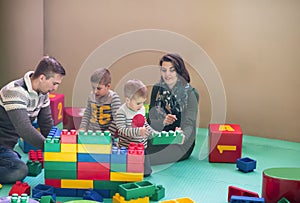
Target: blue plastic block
pixel 92 195
pixel 118 156
pixel 43 190
pixel 244 199
pixel 66 192
pixel 246 164
pixel 84 157
pixel 54 132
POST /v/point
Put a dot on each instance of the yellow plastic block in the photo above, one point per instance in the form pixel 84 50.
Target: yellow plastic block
pixel 117 198
pixel 68 147
pixel 180 200
pixel 76 184
pixel 125 176
pixel 94 148
pixel 60 156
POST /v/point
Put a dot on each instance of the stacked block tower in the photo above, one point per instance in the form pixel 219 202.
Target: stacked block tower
pixel 74 163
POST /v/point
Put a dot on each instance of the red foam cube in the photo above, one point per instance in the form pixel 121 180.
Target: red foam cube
pixel 72 117
pixel 57 104
pixel 225 143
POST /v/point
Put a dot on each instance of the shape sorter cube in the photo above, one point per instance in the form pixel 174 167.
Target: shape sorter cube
pixel 225 142
pixel 57 103
pixel 170 137
pixel 246 164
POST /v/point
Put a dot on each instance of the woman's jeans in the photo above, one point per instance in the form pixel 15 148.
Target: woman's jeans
pixel 12 168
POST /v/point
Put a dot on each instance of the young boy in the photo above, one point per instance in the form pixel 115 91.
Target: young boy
pixel 135 93
pixel 102 104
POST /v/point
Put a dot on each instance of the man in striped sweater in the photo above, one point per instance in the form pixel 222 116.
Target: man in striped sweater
pixel 135 93
pixel 21 102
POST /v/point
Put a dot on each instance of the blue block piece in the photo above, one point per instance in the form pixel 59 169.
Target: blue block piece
pixel 118 156
pixel 54 132
pixel 66 192
pixel 106 193
pixel 83 157
pixel 43 190
pixel 246 164
pixel 26 147
pixel 244 199
pixel 92 195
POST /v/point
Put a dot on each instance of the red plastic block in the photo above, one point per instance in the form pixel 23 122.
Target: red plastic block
pixel 53 182
pixel 36 156
pixel 225 142
pixel 232 190
pixel 93 171
pixel 72 117
pixel 57 104
pixel 68 137
pixel 135 153
pixel 135 168
pixel 20 188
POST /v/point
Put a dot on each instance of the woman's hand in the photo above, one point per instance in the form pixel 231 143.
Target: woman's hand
pixel 170 119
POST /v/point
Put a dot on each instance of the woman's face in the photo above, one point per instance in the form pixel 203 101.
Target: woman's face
pixel 168 73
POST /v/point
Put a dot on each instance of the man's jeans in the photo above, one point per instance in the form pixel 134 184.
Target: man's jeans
pixel 12 168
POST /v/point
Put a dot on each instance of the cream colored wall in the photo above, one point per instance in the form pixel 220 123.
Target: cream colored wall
pixel 254 45
pixel 21 37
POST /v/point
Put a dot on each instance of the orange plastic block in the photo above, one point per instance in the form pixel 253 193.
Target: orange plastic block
pixel 124 176
pixel 180 200
pixel 57 103
pixel 117 198
pixel 77 184
pixel 225 142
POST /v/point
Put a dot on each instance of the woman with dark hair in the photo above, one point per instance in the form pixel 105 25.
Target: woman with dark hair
pixel 173 105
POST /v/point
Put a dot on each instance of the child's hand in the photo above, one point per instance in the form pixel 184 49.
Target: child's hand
pixel 170 119
pixel 144 132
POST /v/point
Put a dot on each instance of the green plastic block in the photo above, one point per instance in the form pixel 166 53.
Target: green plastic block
pixel 136 190
pixel 60 174
pixel 107 185
pixel 34 168
pixel 46 199
pixel 57 165
pixel 118 167
pixel 15 198
pixel 159 193
pixel 52 144
pixel 170 137
pixel 91 137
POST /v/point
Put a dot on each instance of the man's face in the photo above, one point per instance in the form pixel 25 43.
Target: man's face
pixel 49 85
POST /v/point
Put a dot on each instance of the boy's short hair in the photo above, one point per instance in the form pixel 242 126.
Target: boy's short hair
pixel 135 88
pixel 101 76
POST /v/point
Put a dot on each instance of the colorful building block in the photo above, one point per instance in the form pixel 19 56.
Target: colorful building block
pixel 117 198
pixel 119 156
pixel 179 200
pixel 36 155
pixel 68 137
pixel 93 171
pixel 97 137
pixel 92 195
pixel 283 200
pixel 52 144
pixel 170 137
pixel 225 142
pixel 34 168
pixel 243 199
pixel 236 191
pixel 77 184
pixel 57 104
pixel 136 190
pixel 43 190
pixel 23 198
pixel 47 199
pixel 159 193
pixel 20 188
pixel 246 164
pixel 126 176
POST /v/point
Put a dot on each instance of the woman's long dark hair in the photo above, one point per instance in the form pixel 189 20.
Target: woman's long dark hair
pixel 178 64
